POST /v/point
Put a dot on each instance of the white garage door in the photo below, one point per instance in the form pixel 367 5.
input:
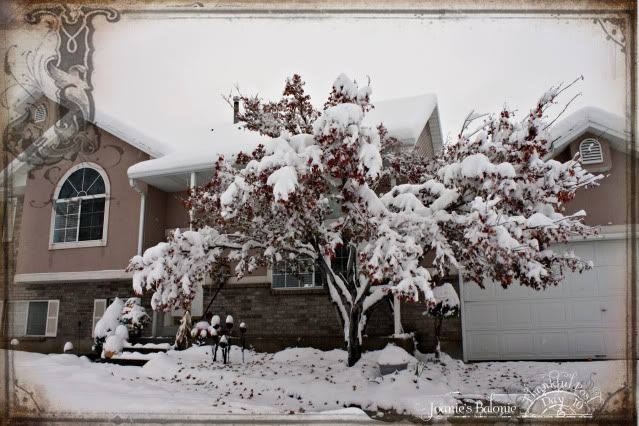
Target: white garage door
pixel 583 317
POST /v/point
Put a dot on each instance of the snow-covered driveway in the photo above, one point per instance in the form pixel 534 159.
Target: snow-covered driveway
pixel 293 381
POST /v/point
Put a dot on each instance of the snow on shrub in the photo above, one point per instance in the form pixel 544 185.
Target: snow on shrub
pixel 113 345
pixel 134 315
pixel 110 319
pixel 393 355
pixel 122 332
pixel 118 319
pixel 68 346
pixel 200 331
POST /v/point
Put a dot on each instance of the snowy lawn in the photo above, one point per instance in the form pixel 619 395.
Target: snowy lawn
pixel 293 381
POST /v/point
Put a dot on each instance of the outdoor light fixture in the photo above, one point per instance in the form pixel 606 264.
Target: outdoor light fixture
pixel 222 337
pixel 229 322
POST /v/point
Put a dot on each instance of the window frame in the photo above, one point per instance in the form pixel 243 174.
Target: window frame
pixel 51 304
pixel 312 271
pixel 105 224
pixel 594 141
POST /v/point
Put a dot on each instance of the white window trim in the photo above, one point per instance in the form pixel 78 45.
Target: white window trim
pixel 50 304
pixel 107 201
pixel 595 161
pixel 97 318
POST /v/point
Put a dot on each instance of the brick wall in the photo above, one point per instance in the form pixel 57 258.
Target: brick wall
pixel 306 317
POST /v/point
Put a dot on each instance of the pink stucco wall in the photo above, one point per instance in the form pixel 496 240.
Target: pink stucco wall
pixel 607 203
pixel 34 254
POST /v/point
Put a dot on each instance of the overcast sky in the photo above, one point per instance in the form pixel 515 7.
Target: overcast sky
pixel 166 76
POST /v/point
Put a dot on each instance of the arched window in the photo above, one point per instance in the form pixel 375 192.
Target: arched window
pixel 590 151
pixel 81 206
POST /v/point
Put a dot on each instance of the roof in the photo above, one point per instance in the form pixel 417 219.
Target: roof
pixel 601 122
pixel 404 118
pixel 201 151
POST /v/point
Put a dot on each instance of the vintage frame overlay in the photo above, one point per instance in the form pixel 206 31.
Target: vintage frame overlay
pixel 64 74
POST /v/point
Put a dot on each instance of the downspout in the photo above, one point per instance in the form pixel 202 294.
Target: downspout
pixel 192 185
pixel 142 192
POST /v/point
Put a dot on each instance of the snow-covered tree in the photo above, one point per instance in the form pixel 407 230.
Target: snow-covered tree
pixel 490 203
pixel 445 305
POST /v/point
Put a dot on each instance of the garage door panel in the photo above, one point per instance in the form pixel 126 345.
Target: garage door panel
pixel 550 314
pixel 482 316
pixel 515 315
pixel 614 313
pixel 517 344
pixel 586 313
pixel 610 253
pixel 551 343
pixel 484 345
pixel 612 279
pixel 589 343
pixel 580 284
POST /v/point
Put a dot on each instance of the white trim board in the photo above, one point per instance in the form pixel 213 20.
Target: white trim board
pixel 69 277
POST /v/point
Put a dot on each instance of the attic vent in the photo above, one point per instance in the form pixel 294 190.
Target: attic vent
pixel 590 151
pixel 40 113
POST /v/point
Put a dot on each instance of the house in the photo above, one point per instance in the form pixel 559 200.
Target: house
pixel 75 222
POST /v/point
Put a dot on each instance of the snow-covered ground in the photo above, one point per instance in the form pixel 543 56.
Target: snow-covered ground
pixel 294 381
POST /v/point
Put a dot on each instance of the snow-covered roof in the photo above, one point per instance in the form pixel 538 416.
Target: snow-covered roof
pixel 404 118
pixel 611 126
pixel 201 151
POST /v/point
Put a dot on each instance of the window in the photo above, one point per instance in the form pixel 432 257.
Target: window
pixel 81 206
pixel 285 276
pixel 590 152
pixel 40 113
pixel 33 318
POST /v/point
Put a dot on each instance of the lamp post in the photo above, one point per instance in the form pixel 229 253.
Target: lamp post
pixel 215 322
pixel 243 331
pixel 229 327
pixel 224 346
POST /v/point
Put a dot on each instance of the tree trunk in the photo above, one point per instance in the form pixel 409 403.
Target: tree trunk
pixel 438 330
pixel 354 345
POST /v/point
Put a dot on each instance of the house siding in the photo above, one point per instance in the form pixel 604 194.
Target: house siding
pixel 34 253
